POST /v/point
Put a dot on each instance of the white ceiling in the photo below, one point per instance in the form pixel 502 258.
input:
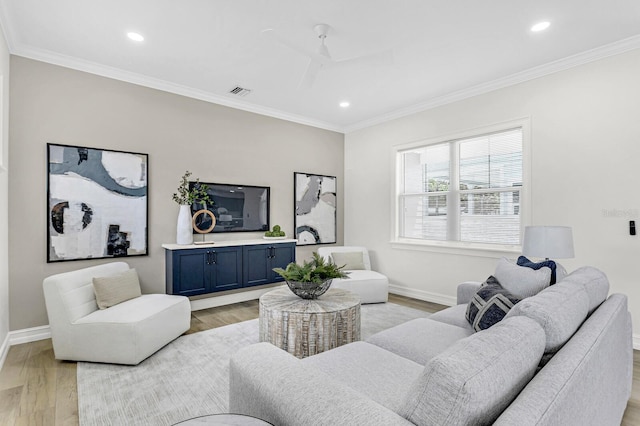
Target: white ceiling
pixel 441 50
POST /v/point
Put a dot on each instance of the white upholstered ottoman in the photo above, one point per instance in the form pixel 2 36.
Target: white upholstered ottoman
pixel 371 286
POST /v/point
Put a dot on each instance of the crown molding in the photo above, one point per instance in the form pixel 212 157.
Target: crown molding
pixel 7 27
pixel 166 86
pixel 582 58
pixel 578 59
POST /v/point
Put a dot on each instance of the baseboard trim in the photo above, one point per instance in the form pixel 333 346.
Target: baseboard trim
pixel 4 350
pixel 422 295
pixel 27 335
pixel 228 299
pixel 636 342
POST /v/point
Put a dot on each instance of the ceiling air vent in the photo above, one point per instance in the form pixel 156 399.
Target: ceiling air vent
pixel 240 91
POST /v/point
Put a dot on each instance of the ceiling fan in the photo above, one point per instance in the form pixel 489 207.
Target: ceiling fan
pixel 321 58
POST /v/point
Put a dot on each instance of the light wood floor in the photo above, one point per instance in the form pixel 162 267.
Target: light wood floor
pixel 36 389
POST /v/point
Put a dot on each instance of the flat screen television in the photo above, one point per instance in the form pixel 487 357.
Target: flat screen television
pixel 237 208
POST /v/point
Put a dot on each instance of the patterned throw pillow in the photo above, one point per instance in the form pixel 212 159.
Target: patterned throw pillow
pixel 523 261
pixel 489 305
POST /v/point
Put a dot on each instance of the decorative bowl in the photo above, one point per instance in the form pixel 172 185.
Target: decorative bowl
pixel 308 290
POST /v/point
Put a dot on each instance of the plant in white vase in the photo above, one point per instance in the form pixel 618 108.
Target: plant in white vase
pixel 185 197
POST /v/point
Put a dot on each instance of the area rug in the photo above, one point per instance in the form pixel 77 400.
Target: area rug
pixel 190 376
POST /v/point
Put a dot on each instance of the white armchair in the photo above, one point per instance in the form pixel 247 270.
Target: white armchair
pixel 126 333
pixel 371 286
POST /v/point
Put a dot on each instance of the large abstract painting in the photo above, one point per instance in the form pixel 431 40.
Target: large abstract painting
pixel 97 203
pixel 315 208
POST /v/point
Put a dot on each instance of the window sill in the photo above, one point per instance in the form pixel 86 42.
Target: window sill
pixel 494 251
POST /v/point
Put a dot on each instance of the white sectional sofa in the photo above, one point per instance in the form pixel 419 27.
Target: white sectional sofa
pixel 438 371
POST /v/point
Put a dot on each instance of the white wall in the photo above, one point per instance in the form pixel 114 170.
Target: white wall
pixel 4 196
pixel 218 144
pixel 585 159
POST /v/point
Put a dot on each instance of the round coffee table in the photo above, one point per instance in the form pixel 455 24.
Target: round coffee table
pixel 305 327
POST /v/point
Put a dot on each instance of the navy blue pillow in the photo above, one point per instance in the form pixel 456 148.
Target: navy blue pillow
pixel 489 305
pixel 523 261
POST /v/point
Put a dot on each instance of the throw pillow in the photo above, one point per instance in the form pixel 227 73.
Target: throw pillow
pixel 489 305
pixel 523 261
pixel 352 259
pixel 561 272
pixel 522 281
pixel 115 289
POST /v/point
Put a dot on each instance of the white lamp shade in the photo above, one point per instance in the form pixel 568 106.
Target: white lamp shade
pixel 548 241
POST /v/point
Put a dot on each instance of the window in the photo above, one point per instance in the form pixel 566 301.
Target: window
pixel 467 190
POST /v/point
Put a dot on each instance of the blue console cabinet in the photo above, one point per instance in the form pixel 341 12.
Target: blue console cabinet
pixel 192 270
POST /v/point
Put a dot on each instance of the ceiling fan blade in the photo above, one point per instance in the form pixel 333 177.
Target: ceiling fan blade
pixel 378 59
pixel 310 75
pixel 271 34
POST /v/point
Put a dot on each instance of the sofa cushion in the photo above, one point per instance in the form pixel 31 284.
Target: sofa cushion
pixel 523 261
pixel 454 315
pixel 114 289
pixel 420 339
pixel 474 380
pixel 352 260
pixel 489 305
pixel 381 375
pixel 559 309
pixel 595 283
pixel 521 281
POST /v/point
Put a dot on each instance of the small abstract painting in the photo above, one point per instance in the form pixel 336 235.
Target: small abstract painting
pixel 315 208
pixel 97 203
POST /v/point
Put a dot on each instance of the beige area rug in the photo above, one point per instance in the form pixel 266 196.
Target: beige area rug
pixel 190 376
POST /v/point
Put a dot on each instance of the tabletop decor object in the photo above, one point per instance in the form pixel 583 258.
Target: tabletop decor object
pixel 185 197
pixel 276 233
pixel 311 279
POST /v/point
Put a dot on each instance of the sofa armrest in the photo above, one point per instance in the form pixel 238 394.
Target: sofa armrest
pixel 466 290
pixel 273 385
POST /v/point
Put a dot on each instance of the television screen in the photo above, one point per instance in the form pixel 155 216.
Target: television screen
pixel 237 208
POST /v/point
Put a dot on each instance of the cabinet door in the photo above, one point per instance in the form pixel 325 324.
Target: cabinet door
pixel 190 272
pixel 227 268
pixel 257 264
pixel 281 256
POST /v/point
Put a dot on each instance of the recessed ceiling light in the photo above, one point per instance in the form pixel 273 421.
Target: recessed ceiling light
pixel 135 36
pixel 344 104
pixel 540 26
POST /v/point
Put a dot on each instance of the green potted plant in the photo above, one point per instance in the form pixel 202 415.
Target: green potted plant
pixel 312 278
pixel 185 197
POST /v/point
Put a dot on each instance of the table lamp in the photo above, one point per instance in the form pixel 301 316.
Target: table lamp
pixel 548 242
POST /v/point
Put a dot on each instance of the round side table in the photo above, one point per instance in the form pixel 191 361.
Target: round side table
pixel 305 327
pixel 224 420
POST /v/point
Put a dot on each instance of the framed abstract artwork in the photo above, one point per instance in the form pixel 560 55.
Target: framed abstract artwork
pixel 97 203
pixel 315 208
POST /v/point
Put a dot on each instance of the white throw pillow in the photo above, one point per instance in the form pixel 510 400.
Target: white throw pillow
pixel 561 272
pixel 352 259
pixel 521 281
pixel 115 289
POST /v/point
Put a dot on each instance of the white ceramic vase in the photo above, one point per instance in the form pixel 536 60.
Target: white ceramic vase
pixel 184 232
